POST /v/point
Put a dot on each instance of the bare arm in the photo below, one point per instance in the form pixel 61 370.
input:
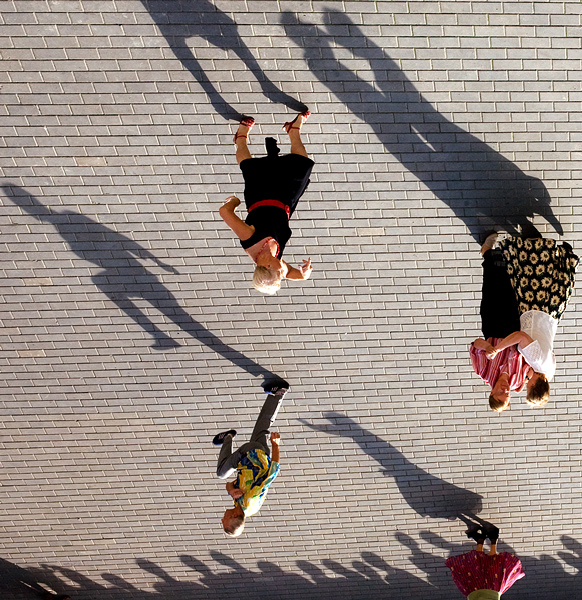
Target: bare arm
pixel 482 344
pixel 520 338
pixel 303 272
pixel 240 228
pixel 275 441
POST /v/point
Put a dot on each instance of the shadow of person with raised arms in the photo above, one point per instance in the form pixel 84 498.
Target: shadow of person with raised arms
pixel 426 494
pixel 124 278
pixel 482 187
pixel 179 21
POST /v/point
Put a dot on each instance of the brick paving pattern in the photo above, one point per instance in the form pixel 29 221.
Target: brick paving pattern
pixel 131 335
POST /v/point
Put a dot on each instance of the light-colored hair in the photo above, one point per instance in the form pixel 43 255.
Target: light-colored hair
pixel 265 281
pixel 497 405
pixel 539 394
pixel 235 526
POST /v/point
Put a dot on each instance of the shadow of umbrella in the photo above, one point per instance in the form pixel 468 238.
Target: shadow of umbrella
pixel 482 187
pixel 124 278
pixel 180 20
pixel 426 494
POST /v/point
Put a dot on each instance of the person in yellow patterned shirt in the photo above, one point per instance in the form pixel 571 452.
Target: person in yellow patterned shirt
pixel 256 468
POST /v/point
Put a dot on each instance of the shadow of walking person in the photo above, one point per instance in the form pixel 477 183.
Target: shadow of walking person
pixel 17 582
pixel 426 494
pixel 124 278
pixel 179 21
pixel 483 188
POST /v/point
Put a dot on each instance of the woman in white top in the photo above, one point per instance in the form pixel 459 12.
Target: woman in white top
pixel 542 274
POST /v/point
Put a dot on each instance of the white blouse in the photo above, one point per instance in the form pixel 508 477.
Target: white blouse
pixel 539 355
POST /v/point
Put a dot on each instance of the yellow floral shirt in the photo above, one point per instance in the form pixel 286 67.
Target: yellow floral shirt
pixel 256 472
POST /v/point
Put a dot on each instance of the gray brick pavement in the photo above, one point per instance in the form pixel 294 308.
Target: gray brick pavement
pixel 117 118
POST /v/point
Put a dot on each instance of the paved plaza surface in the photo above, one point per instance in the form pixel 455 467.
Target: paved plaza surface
pixel 131 334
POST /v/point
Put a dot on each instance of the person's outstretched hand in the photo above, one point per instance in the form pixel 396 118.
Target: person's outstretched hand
pixel 275 438
pixel 306 268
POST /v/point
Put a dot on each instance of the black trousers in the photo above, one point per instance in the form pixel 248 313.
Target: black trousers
pixel 499 313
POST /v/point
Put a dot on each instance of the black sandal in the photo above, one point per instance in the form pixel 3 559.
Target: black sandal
pixel 491 532
pixel 476 533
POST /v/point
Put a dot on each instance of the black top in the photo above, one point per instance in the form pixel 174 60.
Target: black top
pixel 269 221
pixel 283 178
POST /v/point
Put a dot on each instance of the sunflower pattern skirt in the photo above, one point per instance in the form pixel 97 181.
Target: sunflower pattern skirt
pixel 542 273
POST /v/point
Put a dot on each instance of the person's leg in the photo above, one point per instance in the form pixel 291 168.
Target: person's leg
pixel 499 310
pixel 240 139
pixel 266 418
pixel 227 460
pixel 293 129
pixel 493 549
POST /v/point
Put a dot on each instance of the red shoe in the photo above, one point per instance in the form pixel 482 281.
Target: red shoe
pixel 289 125
pixel 246 122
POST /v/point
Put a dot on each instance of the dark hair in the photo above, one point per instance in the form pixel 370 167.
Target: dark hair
pixel 539 394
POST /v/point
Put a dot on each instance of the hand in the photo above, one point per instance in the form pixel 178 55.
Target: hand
pixel 275 438
pixel 491 353
pixel 233 201
pixel 306 268
pixel 233 491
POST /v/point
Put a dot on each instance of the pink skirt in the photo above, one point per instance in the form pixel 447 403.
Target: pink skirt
pixel 479 571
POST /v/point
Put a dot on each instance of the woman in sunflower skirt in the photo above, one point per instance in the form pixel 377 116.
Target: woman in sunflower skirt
pixel 481 576
pixel 542 273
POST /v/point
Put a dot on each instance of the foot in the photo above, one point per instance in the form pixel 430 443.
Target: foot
pixel 277 388
pixel 475 533
pixel 220 437
pixel 302 117
pixel 491 532
pixel 489 242
pixel 244 128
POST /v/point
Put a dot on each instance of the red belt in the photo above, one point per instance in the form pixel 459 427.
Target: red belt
pixel 276 203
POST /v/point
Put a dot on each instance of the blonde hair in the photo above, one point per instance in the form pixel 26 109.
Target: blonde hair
pixel 265 281
pixel 539 394
pixel 497 405
pixel 235 526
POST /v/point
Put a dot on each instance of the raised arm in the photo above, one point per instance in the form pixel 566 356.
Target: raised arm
pixel 303 272
pixel 275 441
pixel 227 212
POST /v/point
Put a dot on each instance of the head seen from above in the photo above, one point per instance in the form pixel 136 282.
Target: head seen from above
pixel 233 521
pixel 538 390
pixel 500 394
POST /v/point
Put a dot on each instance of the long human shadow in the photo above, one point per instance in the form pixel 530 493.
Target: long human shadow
pixel 124 278
pixel 365 576
pixel 16 581
pixel 369 577
pixel 482 187
pixel 426 494
pixel 179 21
